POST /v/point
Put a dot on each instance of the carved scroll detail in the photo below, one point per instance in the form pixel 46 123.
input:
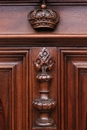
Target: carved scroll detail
pixel 44 63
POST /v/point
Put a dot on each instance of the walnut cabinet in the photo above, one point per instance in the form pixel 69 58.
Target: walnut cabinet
pixel 43 75
pixel 19 86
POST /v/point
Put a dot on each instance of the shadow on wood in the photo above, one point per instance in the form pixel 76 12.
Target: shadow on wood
pixel 2 118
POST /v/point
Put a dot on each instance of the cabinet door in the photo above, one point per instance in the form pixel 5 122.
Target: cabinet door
pixel 13 89
pixel 73 73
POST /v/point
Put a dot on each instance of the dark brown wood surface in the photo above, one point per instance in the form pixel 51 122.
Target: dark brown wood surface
pixel 34 1
pixel 13 89
pixel 13 20
pixel 68 87
pixel 19 48
pixel 73 88
pixel 35 88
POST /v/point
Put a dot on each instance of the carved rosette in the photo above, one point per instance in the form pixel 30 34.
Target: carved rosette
pixel 44 104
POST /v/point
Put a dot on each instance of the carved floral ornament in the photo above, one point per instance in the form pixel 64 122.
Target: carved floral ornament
pixel 44 104
pixel 43 18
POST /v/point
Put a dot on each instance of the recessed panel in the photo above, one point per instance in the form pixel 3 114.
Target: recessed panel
pixel 13 89
pixel 73 89
pixel 5 99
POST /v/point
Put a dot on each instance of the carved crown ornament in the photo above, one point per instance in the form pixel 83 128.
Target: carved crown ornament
pixel 43 18
pixel 44 104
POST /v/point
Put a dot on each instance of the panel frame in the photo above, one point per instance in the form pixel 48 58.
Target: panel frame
pixel 66 56
pixel 16 60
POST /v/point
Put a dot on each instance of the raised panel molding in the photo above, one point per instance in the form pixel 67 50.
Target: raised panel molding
pixel 14 89
pixel 73 82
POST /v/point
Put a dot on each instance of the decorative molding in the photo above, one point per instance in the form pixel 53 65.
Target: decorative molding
pixel 43 18
pixel 44 63
pixel 2 116
pixel 27 3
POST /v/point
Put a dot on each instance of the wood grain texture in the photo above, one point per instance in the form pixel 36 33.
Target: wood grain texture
pixel 13 89
pixel 34 1
pixel 19 47
pixel 14 20
pixel 35 87
pixel 73 88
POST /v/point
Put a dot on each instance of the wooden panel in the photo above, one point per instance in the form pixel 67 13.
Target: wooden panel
pixel 35 89
pixel 4 99
pixel 73 88
pixel 14 20
pixel 13 89
pixel 34 1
